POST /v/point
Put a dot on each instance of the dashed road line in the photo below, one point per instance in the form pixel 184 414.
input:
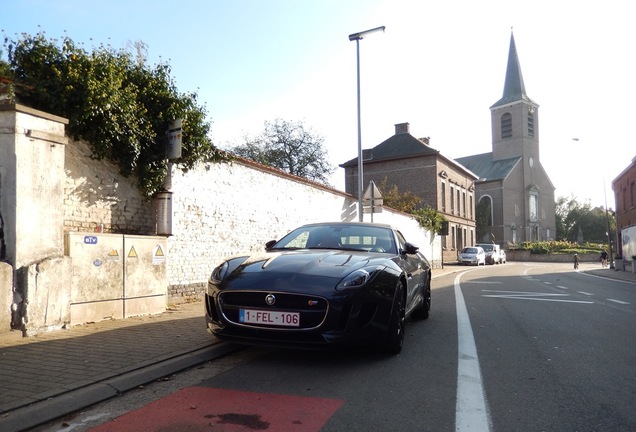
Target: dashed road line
pixel 585 293
pixel 618 301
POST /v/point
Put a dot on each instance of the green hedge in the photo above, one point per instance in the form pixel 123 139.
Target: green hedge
pixel 560 247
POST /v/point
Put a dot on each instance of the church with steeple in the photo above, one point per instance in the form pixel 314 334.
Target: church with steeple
pixel 514 197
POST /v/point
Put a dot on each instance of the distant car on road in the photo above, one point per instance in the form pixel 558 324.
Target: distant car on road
pixel 473 255
pixel 502 256
pixel 492 252
pixel 325 284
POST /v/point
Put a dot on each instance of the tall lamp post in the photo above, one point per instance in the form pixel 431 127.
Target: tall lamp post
pixel 358 37
pixel 609 232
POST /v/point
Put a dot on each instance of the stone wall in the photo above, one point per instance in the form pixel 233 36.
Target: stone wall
pixel 223 209
pixel 97 198
pixel 218 210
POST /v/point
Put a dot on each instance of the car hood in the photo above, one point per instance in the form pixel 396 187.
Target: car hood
pixel 292 268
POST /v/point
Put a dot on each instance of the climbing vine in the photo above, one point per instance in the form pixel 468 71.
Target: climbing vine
pixel 429 218
pixel 113 100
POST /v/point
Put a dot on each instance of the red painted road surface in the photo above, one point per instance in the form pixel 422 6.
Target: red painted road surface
pixel 211 409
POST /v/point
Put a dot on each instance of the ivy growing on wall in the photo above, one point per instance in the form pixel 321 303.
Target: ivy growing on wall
pixel 113 100
pixel 429 218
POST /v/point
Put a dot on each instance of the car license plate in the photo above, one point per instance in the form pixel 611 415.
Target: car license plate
pixel 285 319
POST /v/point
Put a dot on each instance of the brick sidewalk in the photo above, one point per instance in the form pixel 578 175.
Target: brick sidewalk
pixel 51 363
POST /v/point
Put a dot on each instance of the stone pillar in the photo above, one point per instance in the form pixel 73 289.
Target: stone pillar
pixel 32 146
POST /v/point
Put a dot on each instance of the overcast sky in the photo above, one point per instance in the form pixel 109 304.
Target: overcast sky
pixel 439 66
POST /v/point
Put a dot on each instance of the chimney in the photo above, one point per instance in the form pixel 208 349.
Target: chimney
pixel 401 128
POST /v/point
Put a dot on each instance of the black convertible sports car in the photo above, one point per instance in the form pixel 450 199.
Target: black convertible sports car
pixel 325 284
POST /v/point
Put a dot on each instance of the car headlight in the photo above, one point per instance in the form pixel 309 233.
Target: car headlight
pixel 358 278
pixel 218 274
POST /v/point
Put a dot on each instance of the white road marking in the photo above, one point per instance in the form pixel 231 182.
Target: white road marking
pixel 562 287
pixel 618 301
pixel 471 410
pixel 483 282
pixel 520 295
pixel 547 283
pixel 585 293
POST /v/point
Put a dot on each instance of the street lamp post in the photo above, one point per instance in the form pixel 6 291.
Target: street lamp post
pixel 609 232
pixel 357 37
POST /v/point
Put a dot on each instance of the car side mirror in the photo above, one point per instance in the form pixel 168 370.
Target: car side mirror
pixel 410 248
pixel 269 244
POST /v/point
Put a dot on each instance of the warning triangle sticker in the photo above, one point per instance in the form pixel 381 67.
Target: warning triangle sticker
pixel 159 251
pixel 132 253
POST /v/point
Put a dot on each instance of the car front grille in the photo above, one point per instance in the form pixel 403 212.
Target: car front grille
pixel 312 309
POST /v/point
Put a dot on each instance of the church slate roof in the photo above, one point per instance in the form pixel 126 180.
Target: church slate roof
pixel 514 88
pixel 398 146
pixel 486 168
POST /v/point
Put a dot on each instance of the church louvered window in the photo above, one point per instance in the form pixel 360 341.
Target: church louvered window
pixel 506 125
pixel 531 124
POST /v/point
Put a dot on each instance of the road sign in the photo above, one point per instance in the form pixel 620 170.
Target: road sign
pixel 372 201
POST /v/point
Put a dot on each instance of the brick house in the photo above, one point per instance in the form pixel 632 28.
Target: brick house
pixel 624 186
pixel 515 189
pixel 414 166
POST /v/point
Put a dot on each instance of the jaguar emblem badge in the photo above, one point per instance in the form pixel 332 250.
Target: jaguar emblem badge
pixel 270 299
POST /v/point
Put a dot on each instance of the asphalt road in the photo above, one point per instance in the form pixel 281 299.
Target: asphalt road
pixel 554 351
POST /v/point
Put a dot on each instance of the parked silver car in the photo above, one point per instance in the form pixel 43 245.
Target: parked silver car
pixel 472 255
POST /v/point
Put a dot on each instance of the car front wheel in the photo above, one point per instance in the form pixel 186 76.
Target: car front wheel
pixel 397 324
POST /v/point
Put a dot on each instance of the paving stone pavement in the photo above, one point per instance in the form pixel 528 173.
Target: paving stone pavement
pixel 50 374
pixel 46 366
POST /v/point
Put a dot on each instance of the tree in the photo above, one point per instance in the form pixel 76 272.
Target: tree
pixel 112 100
pixel 289 146
pixel 430 219
pixel 580 222
pixel 406 202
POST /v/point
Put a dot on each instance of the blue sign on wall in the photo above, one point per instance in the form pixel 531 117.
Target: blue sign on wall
pixel 90 239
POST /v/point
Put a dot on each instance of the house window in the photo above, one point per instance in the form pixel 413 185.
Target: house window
pixel 470 209
pixel 624 199
pixel 458 206
pixel 506 125
pixel 452 200
pixel 464 203
pixel 633 190
pixel 443 196
pixel 531 124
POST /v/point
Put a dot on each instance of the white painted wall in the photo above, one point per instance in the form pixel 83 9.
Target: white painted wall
pixel 220 210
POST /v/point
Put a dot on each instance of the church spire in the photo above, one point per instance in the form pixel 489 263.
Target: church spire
pixel 514 89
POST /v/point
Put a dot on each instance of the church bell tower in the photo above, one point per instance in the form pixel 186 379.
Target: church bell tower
pixel 515 117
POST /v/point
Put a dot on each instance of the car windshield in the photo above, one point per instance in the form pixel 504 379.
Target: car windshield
pixel 487 248
pixel 340 236
pixel 469 251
